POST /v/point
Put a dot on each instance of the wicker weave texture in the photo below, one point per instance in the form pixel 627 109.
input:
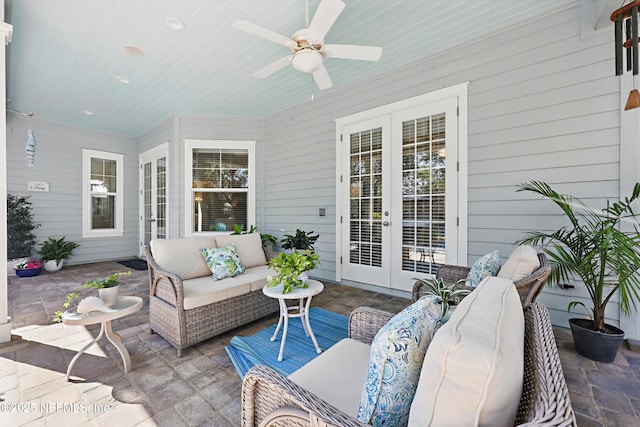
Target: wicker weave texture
pixel 184 328
pixel 544 402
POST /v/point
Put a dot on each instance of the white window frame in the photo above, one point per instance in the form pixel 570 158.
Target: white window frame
pixel 189 146
pixel 87 230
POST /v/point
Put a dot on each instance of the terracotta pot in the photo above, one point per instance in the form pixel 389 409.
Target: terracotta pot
pixel 595 345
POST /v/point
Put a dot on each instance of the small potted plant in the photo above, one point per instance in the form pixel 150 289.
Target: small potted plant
pixel 28 268
pixel 302 240
pixel 55 251
pixel 72 299
pixel 449 293
pixel 21 241
pixel 291 269
pixel 108 287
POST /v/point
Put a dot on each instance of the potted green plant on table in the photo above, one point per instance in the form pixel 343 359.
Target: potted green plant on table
pixel 108 287
pixel 55 251
pixel 302 240
pixel 449 294
pixel 292 269
pixel 21 241
pixel 604 257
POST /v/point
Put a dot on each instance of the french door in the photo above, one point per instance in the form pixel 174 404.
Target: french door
pixel 153 195
pixel 399 195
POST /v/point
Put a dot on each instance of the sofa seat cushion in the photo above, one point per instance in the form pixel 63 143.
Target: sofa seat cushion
pixel 472 372
pixel 520 264
pixel 202 291
pixel 337 375
pixel 248 246
pixel 257 276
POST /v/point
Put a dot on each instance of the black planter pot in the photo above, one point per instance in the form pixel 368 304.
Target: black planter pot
pixel 596 345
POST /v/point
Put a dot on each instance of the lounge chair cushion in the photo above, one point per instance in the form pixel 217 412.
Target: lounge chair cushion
pixel 397 352
pixel 337 375
pixel 248 246
pixel 472 372
pixel 182 256
pixel 223 262
pixel 520 264
pixel 486 266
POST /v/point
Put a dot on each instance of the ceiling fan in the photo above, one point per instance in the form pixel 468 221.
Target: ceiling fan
pixel 307 44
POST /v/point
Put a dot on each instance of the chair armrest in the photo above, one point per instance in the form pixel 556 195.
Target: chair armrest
pixel 365 322
pixel 268 396
pixel 164 284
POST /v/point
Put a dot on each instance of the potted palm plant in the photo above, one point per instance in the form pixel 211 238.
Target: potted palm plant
pixel 54 251
pixel 605 258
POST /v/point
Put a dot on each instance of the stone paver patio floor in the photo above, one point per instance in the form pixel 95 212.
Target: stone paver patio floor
pixel 202 387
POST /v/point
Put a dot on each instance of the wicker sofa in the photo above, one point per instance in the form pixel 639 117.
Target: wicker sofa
pixel 269 398
pixel 186 306
pixel 528 287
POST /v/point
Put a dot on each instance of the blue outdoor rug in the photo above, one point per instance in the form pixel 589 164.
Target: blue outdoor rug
pixel 258 349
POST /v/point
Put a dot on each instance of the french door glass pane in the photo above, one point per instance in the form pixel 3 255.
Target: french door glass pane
pixel 423 187
pixel 161 198
pixel 148 207
pixel 365 216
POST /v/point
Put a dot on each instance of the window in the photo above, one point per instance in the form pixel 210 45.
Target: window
pixel 102 194
pixel 219 186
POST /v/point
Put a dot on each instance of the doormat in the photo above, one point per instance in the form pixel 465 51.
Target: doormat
pixel 258 349
pixel 136 264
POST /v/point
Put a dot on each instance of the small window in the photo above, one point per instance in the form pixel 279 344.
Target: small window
pixel 220 186
pixel 102 194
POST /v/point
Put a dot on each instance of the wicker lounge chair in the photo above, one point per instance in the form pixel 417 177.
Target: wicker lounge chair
pixel 528 288
pixel 269 399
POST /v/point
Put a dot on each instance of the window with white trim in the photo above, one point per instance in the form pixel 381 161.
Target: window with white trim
pixel 219 186
pixel 102 194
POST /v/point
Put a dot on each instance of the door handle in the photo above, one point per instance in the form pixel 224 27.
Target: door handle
pixel 385 223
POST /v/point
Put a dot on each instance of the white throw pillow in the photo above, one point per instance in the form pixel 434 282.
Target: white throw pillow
pixel 472 372
pixel 521 263
pixel 248 246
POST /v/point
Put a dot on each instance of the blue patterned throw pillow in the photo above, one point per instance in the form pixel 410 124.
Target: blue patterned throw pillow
pixel 397 352
pixel 488 265
pixel 223 262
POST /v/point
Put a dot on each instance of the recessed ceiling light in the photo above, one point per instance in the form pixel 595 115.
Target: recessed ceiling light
pixel 132 50
pixel 87 112
pixel 174 24
pixel 123 79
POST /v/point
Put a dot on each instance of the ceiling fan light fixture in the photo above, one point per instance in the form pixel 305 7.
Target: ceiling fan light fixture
pixel 307 60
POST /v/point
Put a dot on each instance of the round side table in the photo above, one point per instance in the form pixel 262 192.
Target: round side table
pixel 126 305
pixel 301 310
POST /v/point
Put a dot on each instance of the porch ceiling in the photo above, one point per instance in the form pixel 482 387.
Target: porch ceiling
pixel 65 54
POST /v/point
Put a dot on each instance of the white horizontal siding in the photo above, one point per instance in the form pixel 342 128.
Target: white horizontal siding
pixel 59 161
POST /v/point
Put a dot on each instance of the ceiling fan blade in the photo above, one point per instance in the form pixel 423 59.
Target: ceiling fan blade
pixel 326 14
pixel 322 79
pixel 272 68
pixel 263 32
pixel 349 51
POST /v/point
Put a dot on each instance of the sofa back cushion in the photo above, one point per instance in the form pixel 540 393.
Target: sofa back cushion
pixel 472 372
pixel 182 256
pixel 248 246
pixel 396 357
pixel 520 264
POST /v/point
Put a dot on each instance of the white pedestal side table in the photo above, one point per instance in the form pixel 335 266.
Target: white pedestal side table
pixel 126 305
pixel 303 295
